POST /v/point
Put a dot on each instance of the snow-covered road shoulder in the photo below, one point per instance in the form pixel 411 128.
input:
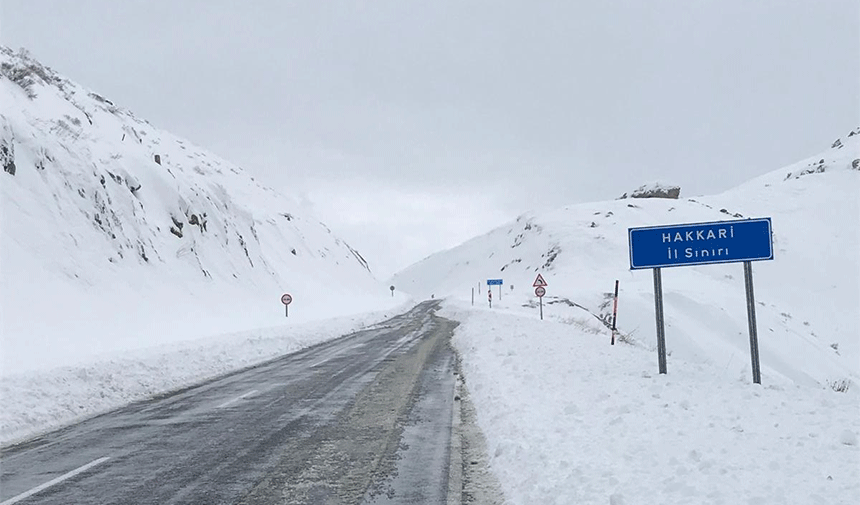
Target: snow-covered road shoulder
pixel 38 401
pixel 570 419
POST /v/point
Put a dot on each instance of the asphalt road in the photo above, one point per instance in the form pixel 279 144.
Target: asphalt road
pixel 365 418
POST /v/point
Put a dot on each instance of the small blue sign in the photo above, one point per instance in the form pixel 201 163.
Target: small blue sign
pixel 494 282
pixel 700 243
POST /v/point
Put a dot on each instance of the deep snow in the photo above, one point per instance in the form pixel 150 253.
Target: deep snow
pixel 570 419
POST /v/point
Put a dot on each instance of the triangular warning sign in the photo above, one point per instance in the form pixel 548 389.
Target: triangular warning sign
pixel 539 281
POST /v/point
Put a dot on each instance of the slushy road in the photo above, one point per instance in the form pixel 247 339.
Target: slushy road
pixel 364 418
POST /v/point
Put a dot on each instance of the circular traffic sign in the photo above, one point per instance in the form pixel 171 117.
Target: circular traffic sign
pixel 286 298
pixel 540 291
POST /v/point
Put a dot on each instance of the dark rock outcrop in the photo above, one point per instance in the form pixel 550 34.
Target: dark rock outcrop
pixel 654 191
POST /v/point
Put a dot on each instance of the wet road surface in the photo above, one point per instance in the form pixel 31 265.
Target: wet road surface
pixel 365 418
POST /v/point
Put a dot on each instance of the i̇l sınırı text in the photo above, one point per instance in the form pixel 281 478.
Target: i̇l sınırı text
pixel 696 235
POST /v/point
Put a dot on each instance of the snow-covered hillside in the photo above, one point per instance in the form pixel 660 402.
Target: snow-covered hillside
pixel 115 234
pixel 808 297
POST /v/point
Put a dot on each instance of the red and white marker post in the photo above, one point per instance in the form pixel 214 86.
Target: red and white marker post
pixel 287 299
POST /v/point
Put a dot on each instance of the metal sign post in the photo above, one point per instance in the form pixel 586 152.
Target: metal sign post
pixel 748 283
pixel 661 327
pixel 473 297
pixel 739 241
pixel 286 299
pixel 539 292
pixel 392 290
pixel 614 312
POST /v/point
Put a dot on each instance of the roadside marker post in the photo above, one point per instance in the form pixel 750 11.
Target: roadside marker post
pixel 473 297
pixel 490 297
pixel 614 311
pixel 392 290
pixel 745 241
pixel 286 299
pixel 495 282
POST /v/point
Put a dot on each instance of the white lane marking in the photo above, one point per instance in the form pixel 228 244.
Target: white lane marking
pixel 230 402
pixel 312 366
pixel 61 478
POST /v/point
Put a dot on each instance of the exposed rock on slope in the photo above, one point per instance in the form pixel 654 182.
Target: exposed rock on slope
pixel 101 208
pixel 655 190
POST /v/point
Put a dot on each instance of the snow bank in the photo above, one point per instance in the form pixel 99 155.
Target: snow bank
pixel 39 401
pixel 570 419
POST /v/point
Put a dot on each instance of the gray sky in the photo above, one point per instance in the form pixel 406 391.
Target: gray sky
pixel 413 126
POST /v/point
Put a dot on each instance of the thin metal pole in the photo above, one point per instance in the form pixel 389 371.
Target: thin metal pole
pixel 500 292
pixel 541 307
pixel 661 330
pixel 473 296
pixel 286 310
pixel 748 283
pixel 614 312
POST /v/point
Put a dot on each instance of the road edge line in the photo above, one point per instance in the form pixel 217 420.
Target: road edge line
pixel 54 482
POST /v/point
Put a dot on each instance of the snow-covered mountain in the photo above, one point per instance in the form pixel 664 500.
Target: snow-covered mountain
pixel 116 234
pixel 808 297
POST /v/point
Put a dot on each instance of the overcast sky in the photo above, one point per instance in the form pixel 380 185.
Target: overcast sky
pixel 413 126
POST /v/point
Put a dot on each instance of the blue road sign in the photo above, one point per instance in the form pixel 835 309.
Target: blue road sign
pixel 494 282
pixel 700 243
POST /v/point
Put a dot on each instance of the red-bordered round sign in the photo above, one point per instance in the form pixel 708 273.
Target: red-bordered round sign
pixel 286 298
pixel 540 291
